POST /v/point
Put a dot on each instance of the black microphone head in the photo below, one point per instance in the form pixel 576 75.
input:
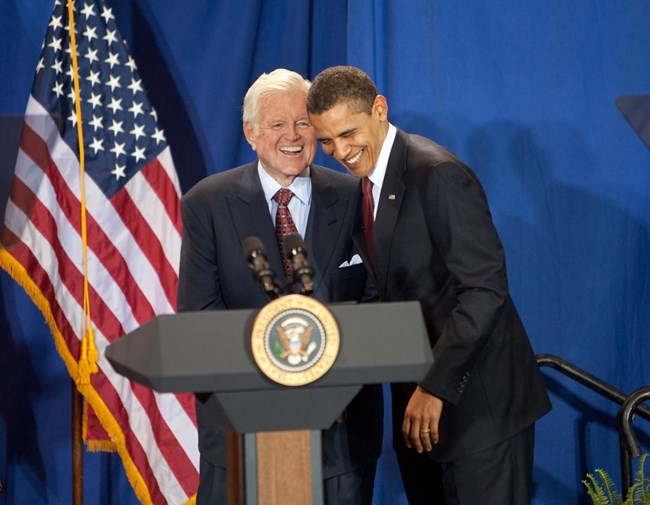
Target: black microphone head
pixel 251 245
pixel 293 243
pixel 262 272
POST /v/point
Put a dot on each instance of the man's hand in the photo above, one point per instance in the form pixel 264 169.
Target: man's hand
pixel 420 428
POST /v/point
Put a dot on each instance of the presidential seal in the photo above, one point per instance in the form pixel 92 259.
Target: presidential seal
pixel 295 340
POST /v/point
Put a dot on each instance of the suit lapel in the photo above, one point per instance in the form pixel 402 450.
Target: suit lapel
pixel 390 201
pixel 325 220
pixel 250 215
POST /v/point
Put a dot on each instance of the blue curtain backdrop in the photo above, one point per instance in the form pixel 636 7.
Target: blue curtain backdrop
pixel 522 91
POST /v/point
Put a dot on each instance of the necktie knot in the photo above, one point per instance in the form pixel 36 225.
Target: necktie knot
pixel 366 188
pixel 283 196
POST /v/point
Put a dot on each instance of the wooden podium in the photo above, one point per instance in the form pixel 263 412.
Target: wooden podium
pixel 209 353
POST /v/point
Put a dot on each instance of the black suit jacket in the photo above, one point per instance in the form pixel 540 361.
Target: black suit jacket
pixel 219 213
pixel 435 242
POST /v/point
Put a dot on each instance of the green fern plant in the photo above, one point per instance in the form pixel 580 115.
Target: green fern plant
pixel 602 491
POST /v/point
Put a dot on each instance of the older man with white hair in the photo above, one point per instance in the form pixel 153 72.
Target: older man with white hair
pixel 282 188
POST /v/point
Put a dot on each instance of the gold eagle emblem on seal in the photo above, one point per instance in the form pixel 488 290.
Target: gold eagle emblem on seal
pixel 295 340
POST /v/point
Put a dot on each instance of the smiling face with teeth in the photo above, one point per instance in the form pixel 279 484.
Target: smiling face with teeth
pixel 282 136
pixel 353 138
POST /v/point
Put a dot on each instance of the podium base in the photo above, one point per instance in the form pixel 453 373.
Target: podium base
pixel 280 467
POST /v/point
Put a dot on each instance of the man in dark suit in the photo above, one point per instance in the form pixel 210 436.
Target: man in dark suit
pixel 464 434
pixel 222 210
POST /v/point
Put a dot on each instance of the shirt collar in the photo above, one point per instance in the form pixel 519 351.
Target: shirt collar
pixel 379 172
pixel 300 187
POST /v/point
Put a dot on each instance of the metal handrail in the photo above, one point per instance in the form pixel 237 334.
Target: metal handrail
pixel 631 404
pixel 629 443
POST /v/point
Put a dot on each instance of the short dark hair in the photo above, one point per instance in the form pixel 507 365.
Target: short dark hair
pixel 341 84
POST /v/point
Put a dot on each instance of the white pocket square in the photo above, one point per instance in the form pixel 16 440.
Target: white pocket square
pixel 355 260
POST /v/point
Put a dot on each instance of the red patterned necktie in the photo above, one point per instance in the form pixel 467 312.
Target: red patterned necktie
pixel 368 215
pixel 284 225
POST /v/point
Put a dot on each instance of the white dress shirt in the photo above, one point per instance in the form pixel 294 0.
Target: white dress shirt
pixel 379 172
pixel 300 203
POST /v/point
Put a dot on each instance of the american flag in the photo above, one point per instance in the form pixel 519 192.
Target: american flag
pixel 131 199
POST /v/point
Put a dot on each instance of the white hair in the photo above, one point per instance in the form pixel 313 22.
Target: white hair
pixel 282 80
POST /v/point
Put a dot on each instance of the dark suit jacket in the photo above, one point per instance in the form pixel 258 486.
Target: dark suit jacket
pixel 218 214
pixel 435 242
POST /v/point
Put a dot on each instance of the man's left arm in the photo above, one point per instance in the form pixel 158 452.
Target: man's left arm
pixel 464 234
pixel 461 226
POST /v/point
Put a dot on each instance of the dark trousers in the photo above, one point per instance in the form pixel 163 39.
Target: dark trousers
pixel 352 488
pixel 499 475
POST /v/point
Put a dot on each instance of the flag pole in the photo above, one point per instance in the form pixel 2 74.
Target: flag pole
pixel 77 446
pixel 88 352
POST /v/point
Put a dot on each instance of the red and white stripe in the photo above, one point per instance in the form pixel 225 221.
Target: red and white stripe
pixel 133 255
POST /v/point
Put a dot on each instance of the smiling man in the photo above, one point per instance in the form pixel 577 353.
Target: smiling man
pixel 224 209
pixel 464 434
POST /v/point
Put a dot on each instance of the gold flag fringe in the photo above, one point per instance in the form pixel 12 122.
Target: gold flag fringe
pixel 117 442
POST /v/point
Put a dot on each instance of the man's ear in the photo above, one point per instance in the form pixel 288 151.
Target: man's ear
pixel 380 106
pixel 249 133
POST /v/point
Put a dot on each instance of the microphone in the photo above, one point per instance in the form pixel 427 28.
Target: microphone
pixel 296 251
pixel 262 271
